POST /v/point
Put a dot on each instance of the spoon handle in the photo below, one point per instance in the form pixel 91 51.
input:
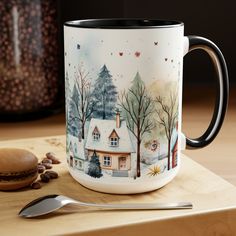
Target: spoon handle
pixel 141 206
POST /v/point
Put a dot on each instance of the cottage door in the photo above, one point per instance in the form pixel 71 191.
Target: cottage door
pixel 122 163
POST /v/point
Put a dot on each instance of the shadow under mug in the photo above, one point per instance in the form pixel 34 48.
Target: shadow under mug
pixel 123 80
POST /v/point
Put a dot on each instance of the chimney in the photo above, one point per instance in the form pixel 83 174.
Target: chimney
pixel 117 119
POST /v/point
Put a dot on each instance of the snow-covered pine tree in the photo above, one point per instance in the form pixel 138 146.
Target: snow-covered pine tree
pixel 137 82
pixel 67 89
pixel 105 95
pixel 73 116
pixel 75 96
pixel 67 95
pixel 94 169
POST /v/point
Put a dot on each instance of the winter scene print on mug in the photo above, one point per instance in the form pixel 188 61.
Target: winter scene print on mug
pixel 123 84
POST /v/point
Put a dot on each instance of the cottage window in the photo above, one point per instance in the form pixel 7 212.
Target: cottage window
pixel 75 149
pixel 80 164
pixel 70 147
pixel 107 161
pixel 114 141
pixel 96 136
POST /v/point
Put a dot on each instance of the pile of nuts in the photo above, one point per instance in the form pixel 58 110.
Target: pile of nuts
pixel 29 55
pixel 43 169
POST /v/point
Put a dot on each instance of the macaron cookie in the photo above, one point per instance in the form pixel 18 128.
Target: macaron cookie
pixel 18 168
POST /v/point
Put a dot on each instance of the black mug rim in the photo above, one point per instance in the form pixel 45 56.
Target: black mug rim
pixel 123 23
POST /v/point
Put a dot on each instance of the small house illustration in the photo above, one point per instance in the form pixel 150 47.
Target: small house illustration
pixel 174 146
pixel 76 152
pixel 174 151
pixel 111 140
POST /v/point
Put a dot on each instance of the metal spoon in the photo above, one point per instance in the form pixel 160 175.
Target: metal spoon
pixel 49 203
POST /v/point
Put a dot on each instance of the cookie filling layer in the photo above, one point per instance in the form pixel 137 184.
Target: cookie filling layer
pixel 13 176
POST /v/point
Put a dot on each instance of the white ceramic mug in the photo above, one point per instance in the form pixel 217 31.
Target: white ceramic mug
pixel 123 80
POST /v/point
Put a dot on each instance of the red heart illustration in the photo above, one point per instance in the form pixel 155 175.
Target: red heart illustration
pixel 137 54
pixel 121 54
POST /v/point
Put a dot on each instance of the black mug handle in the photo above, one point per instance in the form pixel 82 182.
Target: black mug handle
pixel 217 58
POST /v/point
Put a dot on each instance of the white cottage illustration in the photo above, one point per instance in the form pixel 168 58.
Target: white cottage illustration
pixel 76 152
pixel 112 142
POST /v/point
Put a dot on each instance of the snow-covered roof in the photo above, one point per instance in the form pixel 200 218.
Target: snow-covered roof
pixel 77 147
pixel 106 127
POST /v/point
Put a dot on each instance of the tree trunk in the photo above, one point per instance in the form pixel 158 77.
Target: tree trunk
pixel 82 131
pixel 104 108
pixel 138 158
pixel 168 154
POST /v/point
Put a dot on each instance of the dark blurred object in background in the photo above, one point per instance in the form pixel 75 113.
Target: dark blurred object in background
pixel 29 59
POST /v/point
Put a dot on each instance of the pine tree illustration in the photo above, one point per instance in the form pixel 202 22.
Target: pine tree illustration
pixel 94 169
pixel 72 122
pixel 105 95
pixel 75 95
pixel 137 82
pixel 67 94
pixel 67 89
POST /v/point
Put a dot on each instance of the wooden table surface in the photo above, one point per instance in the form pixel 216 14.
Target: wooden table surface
pixel 213 199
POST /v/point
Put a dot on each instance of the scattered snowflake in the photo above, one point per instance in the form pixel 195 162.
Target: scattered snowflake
pixel 78 46
pixel 121 54
pixel 155 43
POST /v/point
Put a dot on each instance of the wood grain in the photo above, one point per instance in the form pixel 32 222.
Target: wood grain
pixel 213 198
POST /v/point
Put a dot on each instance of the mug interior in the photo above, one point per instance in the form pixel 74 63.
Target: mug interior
pixel 123 23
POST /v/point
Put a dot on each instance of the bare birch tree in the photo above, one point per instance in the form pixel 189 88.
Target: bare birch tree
pixel 85 104
pixel 167 112
pixel 137 107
